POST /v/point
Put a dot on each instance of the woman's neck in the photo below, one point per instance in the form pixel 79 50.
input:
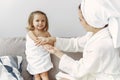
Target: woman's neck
pixel 95 30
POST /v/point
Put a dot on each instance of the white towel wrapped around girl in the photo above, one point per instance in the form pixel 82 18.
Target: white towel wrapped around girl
pixel 37 57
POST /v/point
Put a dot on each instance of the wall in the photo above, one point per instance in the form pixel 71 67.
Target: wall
pixel 62 15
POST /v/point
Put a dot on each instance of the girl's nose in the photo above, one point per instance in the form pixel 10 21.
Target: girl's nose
pixel 40 22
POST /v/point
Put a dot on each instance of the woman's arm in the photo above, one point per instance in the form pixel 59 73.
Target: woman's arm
pixel 72 44
pixel 53 50
pixel 67 44
pixel 78 69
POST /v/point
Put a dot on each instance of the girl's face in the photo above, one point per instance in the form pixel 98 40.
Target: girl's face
pixel 39 21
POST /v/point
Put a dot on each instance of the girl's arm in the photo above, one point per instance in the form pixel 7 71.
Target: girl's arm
pixel 48 34
pixel 50 39
pixel 32 36
pixel 46 40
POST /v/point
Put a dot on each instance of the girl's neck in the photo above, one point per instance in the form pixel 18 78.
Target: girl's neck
pixel 38 32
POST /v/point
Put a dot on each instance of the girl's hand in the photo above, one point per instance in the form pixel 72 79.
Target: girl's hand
pixel 45 40
pixel 53 50
pixel 42 41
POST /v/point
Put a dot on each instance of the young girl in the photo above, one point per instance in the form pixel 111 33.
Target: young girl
pixel 39 61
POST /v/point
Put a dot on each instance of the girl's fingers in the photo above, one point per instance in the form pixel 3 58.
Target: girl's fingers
pixel 37 43
pixel 42 40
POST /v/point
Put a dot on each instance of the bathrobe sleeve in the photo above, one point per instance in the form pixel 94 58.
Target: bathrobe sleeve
pixel 72 44
pixel 90 63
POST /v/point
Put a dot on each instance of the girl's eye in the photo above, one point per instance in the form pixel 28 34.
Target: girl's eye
pixel 37 20
pixel 43 20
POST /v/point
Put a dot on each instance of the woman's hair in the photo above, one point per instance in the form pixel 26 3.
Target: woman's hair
pixel 79 7
pixel 30 20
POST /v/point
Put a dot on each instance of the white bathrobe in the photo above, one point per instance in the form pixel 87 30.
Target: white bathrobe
pixel 37 57
pixel 98 13
pixel 100 60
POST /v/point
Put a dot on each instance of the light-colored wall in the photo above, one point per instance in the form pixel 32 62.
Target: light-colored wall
pixel 62 15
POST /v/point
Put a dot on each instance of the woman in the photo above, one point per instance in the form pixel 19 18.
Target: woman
pixel 101 59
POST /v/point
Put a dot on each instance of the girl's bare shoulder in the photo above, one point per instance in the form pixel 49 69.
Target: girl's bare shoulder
pixel 47 34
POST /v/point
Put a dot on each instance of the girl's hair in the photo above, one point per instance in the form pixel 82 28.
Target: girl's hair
pixel 30 20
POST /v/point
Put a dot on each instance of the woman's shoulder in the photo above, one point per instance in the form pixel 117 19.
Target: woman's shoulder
pixel 104 45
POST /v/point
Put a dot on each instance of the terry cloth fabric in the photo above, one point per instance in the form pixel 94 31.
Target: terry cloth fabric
pixel 98 13
pixel 38 58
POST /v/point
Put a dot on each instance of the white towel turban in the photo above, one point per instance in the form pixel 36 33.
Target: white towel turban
pixel 98 13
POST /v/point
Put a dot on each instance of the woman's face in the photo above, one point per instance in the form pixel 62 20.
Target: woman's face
pixel 87 27
pixel 82 20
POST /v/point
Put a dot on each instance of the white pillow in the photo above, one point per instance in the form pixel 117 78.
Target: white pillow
pixel 10 68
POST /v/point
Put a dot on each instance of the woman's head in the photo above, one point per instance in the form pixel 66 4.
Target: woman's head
pixel 81 18
pixel 39 20
pixel 84 23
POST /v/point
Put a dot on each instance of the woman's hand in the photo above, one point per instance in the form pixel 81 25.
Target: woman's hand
pixel 53 50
